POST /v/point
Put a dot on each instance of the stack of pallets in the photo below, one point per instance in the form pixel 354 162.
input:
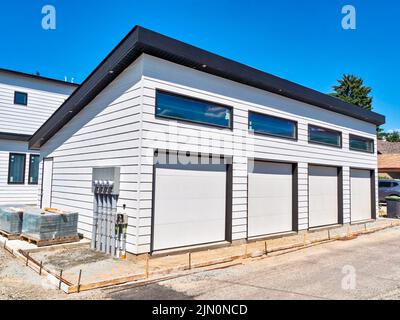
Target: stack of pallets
pixel 11 217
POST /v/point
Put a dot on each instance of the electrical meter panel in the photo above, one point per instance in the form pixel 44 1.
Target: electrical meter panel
pixel 106 180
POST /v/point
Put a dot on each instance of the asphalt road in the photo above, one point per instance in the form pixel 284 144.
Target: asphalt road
pixel 365 268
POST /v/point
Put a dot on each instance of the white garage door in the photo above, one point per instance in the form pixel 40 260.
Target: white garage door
pixel 360 195
pixel 323 196
pixel 270 206
pixel 190 205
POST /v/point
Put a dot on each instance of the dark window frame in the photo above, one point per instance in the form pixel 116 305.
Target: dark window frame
pixel 30 169
pixel 9 169
pixel 15 98
pixel 295 138
pixel 230 127
pixel 340 146
pixel 363 138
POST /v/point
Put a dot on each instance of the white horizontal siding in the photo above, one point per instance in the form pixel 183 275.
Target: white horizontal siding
pixel 13 193
pixel 239 143
pixel 44 97
pixel 105 133
pixel 119 128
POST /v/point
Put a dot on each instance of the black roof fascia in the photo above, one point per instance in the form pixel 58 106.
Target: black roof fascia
pixel 36 77
pixel 14 136
pixel 141 40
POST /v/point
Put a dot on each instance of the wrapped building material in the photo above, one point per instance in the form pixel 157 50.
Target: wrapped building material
pixel 44 225
pixel 11 219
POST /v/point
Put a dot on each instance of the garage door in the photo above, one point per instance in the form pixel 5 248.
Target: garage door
pixel 270 206
pixel 189 205
pixel 323 196
pixel 360 195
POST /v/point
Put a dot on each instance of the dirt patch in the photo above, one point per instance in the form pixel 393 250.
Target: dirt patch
pixel 18 282
pixel 80 262
pixel 66 258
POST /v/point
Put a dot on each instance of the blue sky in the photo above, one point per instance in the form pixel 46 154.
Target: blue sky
pixel 302 41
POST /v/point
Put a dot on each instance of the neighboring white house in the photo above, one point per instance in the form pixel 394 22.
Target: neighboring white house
pixel 257 155
pixel 26 102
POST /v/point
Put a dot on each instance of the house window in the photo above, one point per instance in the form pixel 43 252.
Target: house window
pixel 16 168
pixel 361 144
pixel 324 136
pixel 272 126
pixel 178 107
pixel 20 98
pixel 33 169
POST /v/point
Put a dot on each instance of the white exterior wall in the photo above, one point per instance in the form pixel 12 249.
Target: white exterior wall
pixel 15 193
pixel 119 128
pixel 44 97
pixel 160 74
pixel 105 133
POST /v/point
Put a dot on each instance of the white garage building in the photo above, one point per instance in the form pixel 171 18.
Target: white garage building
pixel 209 150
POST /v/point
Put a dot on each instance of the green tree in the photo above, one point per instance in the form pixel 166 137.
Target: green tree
pixel 393 136
pixel 352 90
pixel 381 133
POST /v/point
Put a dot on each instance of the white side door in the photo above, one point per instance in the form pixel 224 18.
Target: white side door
pixel 361 194
pixel 270 190
pixel 323 196
pixel 47 182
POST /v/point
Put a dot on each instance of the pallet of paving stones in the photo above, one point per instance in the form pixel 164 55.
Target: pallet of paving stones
pixel 9 236
pixel 11 218
pixel 48 242
pixel 41 225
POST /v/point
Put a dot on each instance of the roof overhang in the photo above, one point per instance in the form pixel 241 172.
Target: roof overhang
pixel 14 136
pixel 38 77
pixel 141 40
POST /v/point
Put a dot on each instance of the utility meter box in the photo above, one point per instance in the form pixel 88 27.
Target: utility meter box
pixel 107 177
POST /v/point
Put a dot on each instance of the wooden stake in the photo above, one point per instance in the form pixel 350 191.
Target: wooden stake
pixel 190 261
pixel 147 266
pixel 59 284
pixel 27 258
pixel 79 280
pixel 41 266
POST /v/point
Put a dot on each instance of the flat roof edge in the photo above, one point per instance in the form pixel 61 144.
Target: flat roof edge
pixel 14 136
pixel 38 77
pixel 140 40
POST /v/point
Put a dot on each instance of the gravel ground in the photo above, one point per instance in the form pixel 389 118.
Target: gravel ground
pixel 363 268
pixel 320 272
pixel 18 282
